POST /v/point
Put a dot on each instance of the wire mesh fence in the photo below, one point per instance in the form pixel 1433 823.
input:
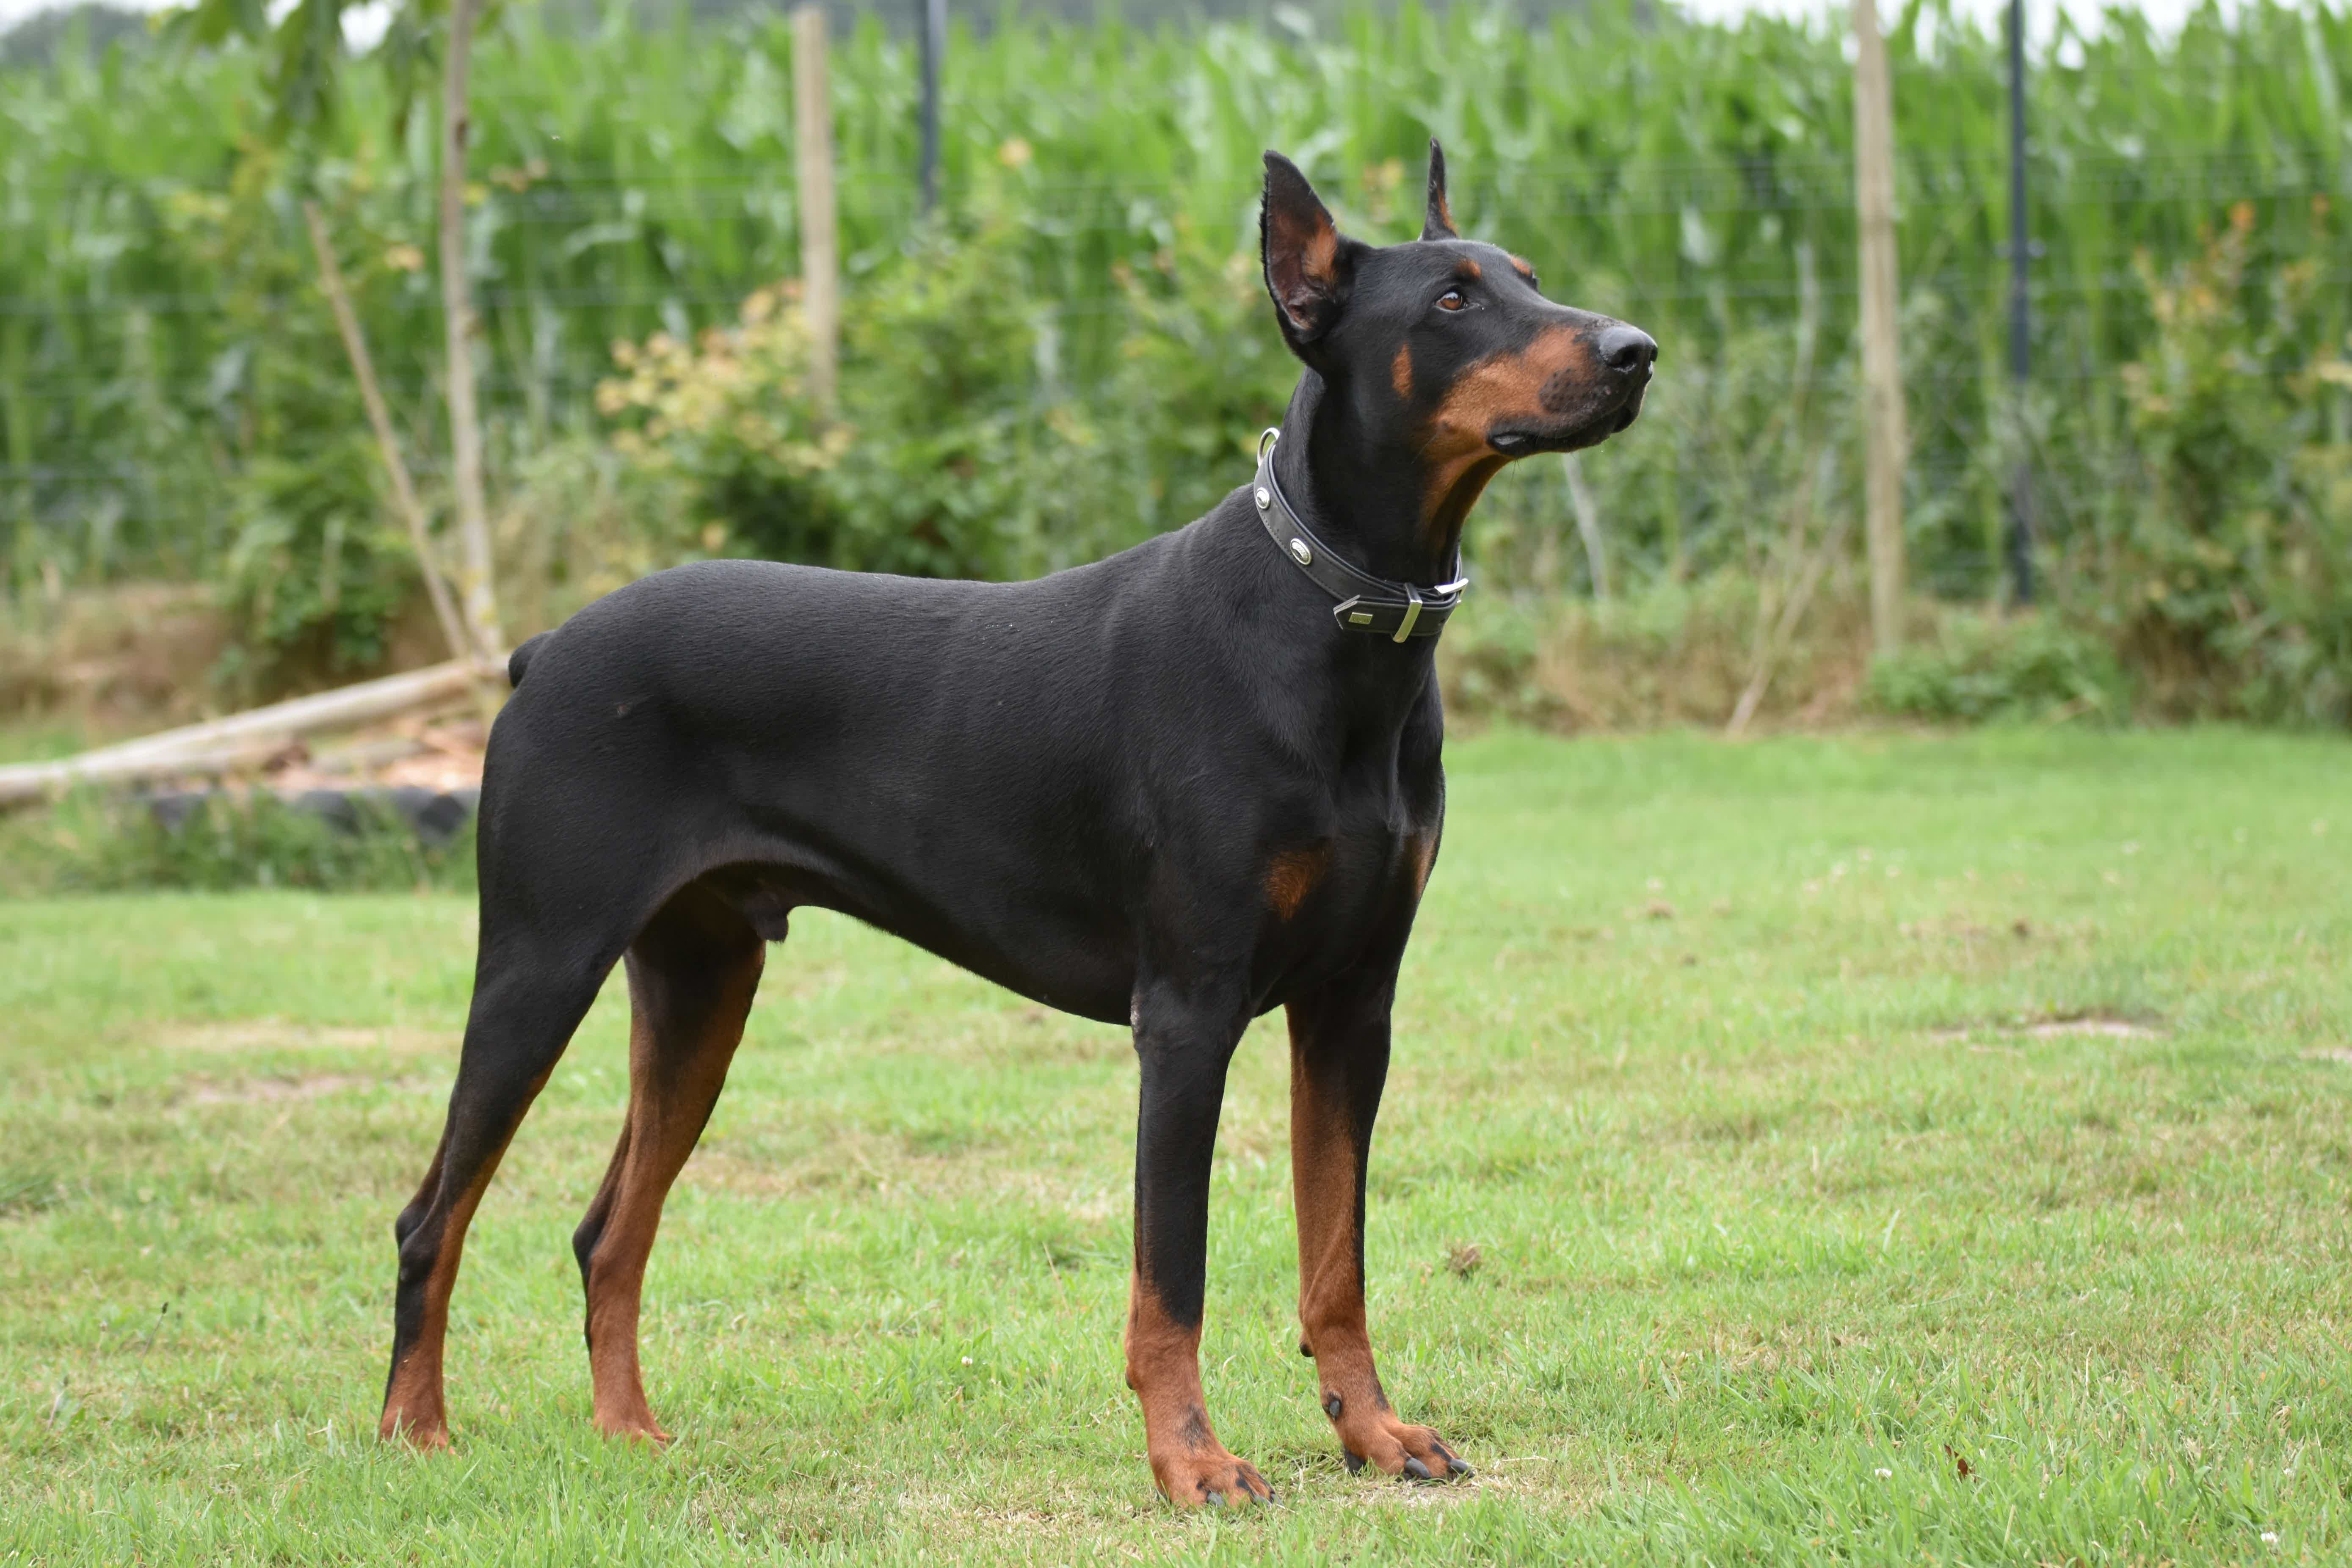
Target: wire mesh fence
pixel 162 337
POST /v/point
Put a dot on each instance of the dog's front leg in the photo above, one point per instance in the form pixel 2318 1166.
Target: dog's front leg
pixel 1338 1064
pixel 1184 1037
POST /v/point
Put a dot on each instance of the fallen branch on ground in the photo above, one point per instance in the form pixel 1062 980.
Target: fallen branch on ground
pixel 240 740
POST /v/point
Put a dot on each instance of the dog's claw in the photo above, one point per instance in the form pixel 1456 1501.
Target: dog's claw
pixel 1416 1469
pixel 1332 1407
pixel 1455 1466
pixel 1355 1461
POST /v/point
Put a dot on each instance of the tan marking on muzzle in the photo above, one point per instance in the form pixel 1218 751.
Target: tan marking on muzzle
pixel 1534 384
pixel 1400 372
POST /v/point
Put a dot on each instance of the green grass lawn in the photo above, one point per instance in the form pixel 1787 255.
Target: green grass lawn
pixel 1734 1200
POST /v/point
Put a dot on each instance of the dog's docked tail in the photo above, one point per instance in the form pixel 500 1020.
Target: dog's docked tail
pixel 519 661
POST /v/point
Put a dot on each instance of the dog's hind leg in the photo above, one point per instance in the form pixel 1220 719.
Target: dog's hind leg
pixel 529 995
pixel 692 973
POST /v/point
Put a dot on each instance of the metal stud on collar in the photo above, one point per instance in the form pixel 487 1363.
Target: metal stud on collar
pixel 1300 554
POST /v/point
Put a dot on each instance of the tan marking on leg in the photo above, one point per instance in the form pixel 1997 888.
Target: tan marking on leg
pixel 1323 1179
pixel 1325 1184
pixel 1163 1366
pixel 1401 373
pixel 675 1072
pixel 1293 876
pixel 1423 848
pixel 414 1406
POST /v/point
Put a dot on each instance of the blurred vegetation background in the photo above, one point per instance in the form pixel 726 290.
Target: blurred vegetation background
pixel 1074 351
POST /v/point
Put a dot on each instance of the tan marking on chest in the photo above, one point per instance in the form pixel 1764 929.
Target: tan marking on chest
pixel 1293 876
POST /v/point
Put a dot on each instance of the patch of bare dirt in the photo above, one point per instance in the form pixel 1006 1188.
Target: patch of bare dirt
pixel 2093 1025
pixel 268 1090
pixel 440 753
pixel 2111 1028
pixel 275 1035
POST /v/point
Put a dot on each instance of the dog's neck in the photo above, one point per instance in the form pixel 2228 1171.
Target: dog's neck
pixel 1368 497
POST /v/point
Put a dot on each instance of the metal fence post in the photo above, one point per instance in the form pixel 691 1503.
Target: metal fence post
pixel 2020 251
pixel 933 32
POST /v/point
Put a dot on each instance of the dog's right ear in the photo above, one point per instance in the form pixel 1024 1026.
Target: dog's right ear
pixel 1309 264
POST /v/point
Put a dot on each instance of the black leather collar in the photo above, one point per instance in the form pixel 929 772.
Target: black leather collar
pixel 1397 611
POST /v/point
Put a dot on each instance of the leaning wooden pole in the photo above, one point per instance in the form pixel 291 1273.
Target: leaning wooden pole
pixel 820 236
pixel 476 576
pixel 404 493
pixel 1881 367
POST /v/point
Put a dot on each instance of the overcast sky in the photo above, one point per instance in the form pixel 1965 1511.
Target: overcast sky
pixel 2165 13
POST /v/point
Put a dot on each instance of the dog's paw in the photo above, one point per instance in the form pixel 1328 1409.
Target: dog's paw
pixel 1210 1478
pixel 428 1436
pixel 647 1430
pixel 1398 1448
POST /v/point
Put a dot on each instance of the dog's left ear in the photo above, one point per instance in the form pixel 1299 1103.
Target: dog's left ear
pixel 1309 264
pixel 1439 224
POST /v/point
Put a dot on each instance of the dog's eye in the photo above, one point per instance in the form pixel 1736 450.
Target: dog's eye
pixel 1452 299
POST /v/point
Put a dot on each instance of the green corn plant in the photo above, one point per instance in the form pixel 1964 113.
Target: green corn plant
pixel 1693 177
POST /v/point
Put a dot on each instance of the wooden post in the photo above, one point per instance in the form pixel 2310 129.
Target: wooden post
pixel 820 242
pixel 1881 367
pixel 476 572
pixel 404 494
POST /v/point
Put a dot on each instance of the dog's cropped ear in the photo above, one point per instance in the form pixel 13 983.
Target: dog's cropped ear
pixel 1439 224
pixel 1309 264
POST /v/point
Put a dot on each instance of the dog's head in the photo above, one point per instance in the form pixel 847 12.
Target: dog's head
pixel 1446 344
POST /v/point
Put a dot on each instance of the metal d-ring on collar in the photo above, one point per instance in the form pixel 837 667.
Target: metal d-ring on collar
pixel 1367 603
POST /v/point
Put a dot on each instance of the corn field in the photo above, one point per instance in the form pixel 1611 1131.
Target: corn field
pixel 171 390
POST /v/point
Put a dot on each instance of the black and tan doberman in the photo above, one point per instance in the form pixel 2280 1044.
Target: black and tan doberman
pixel 1174 789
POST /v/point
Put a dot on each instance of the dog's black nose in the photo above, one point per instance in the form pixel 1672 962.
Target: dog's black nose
pixel 1627 348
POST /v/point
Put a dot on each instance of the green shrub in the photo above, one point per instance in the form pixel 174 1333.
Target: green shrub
pixel 731 415
pixel 1981 667
pixel 316 570
pixel 1200 372
pixel 97 843
pixel 2225 572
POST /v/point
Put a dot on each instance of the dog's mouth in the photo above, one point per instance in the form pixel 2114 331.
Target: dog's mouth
pixel 1575 434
